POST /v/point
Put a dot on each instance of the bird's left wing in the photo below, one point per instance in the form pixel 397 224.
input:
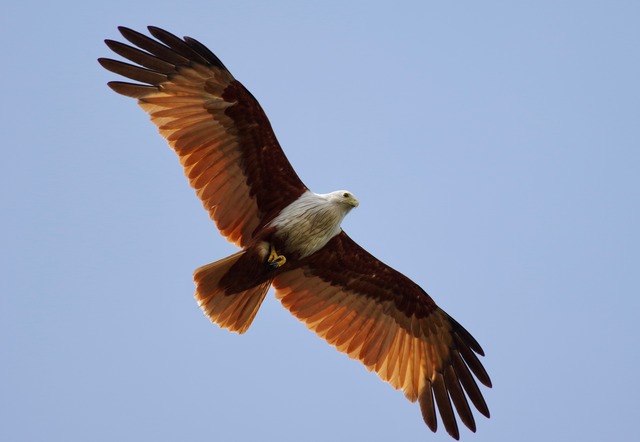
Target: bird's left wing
pixel 218 129
pixel 375 314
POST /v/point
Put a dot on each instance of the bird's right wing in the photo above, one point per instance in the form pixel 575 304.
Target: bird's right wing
pixel 218 129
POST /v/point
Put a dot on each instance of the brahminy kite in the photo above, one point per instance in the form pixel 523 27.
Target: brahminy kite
pixel 291 237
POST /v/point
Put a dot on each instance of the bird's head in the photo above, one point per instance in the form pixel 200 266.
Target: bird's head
pixel 343 197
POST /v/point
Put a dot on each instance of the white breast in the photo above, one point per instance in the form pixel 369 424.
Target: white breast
pixel 308 223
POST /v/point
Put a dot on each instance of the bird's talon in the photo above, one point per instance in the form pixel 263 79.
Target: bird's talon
pixel 275 260
pixel 278 262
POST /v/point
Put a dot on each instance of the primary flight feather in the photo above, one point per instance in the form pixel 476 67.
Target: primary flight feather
pixel 291 237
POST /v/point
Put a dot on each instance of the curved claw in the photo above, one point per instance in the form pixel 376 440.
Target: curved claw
pixel 275 260
pixel 278 262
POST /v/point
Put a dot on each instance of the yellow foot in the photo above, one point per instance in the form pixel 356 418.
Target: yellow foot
pixel 276 260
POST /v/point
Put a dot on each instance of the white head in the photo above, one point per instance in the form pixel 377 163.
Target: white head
pixel 342 197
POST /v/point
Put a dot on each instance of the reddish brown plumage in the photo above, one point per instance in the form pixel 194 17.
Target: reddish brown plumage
pixel 230 308
pixel 382 318
pixel 218 129
pixel 234 162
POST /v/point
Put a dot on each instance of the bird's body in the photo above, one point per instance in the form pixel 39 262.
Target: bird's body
pixel 290 237
pixel 308 223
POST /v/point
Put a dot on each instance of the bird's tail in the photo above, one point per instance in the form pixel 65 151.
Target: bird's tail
pixel 230 307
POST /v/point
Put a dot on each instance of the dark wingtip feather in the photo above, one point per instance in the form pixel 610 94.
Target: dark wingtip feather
pixel 466 337
pixel 177 44
pixel 140 57
pixel 133 72
pixel 166 37
pixel 205 52
pixel 131 90
pixel 130 34
pixel 154 47
pixel 444 406
pixel 428 408
pixel 469 384
pixel 459 400
pixel 473 362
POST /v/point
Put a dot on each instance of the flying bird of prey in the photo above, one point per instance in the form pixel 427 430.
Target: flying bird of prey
pixel 291 237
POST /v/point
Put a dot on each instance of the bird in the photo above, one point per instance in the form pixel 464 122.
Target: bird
pixel 290 237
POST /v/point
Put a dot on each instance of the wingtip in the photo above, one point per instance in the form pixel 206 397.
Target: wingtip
pixel 489 384
pixel 131 90
pixel 105 62
pixel 111 43
pixel 162 34
pixel 427 407
pixel 130 34
pixel 123 30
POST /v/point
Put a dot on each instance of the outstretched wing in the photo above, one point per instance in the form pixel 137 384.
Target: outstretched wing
pixel 377 315
pixel 219 131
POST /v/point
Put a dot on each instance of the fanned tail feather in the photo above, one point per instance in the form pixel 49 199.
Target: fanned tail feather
pixel 233 311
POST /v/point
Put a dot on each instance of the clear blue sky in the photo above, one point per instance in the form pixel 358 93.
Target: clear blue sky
pixel 495 151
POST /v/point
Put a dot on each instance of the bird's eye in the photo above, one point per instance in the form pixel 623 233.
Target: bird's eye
pixel 346 195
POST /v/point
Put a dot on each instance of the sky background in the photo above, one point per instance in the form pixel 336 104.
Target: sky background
pixel 495 150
